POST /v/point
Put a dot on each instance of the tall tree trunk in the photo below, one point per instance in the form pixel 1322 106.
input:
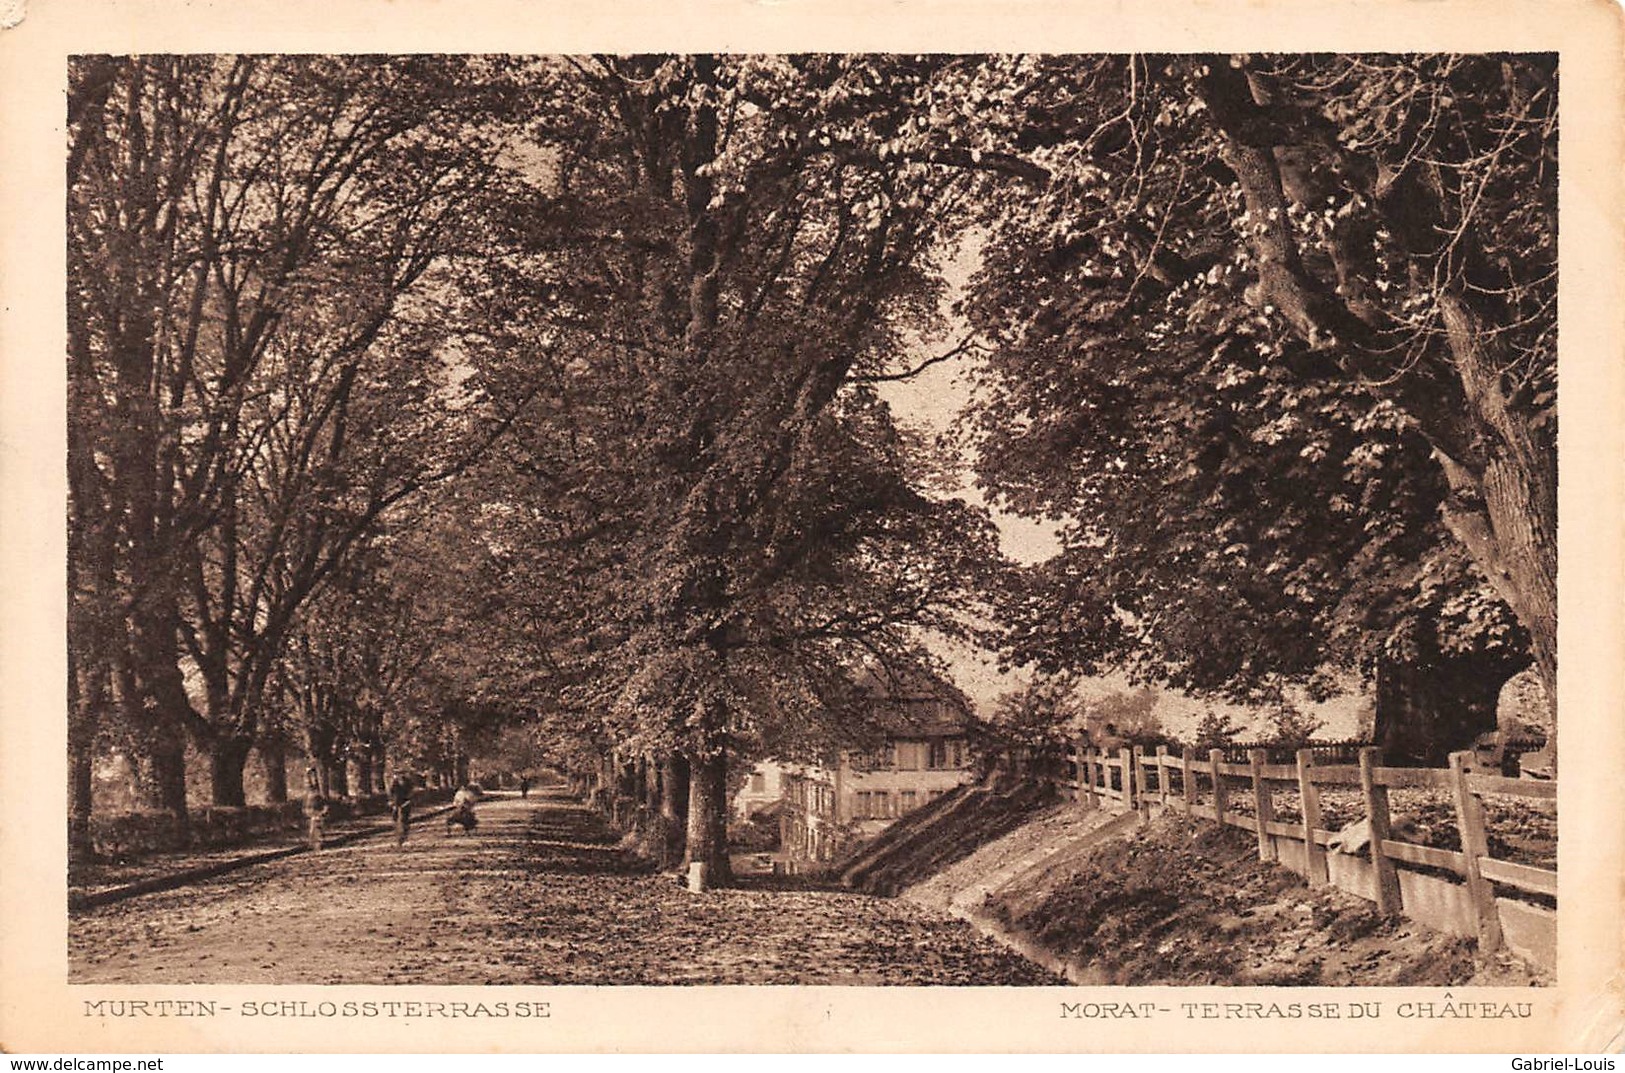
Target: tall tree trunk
pixel 157 709
pixel 674 776
pixel 90 695
pixel 708 819
pixel 1428 709
pixel 161 778
pixel 1503 505
pixel 274 758
pixel 89 692
pixel 338 777
pixel 318 757
pixel 649 782
pixel 364 772
pixel 93 618
pixel 228 756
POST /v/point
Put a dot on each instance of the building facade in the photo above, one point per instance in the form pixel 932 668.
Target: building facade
pixel 925 754
pixel 763 787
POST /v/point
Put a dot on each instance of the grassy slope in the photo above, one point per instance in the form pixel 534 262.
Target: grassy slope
pixel 927 842
pixel 1179 902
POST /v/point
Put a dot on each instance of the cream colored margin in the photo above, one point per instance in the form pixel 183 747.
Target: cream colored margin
pixel 39 1012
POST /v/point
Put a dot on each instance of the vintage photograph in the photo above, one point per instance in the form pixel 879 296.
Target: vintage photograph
pixel 812 518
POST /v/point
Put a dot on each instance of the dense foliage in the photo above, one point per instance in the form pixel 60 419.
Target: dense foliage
pixel 1275 336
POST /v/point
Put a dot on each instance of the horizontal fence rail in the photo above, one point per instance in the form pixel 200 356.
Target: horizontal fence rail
pixel 1211 787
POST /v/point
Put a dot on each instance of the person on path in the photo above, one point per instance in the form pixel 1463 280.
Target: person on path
pixel 524 786
pixel 315 808
pixel 462 810
pixel 400 806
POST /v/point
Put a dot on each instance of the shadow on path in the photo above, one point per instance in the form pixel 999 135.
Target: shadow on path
pixel 565 837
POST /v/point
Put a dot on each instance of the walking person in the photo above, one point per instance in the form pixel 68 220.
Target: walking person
pixel 316 807
pixel 524 786
pixel 400 805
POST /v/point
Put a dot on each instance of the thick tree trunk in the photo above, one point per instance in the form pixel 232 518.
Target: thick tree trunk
pixel 318 757
pixel 81 787
pixel 1503 505
pixel 228 756
pixel 674 778
pixel 338 778
pixel 649 765
pixel 156 710
pixel 275 762
pixel 89 691
pixel 1427 710
pixel 364 773
pixel 161 780
pixel 708 820
pixel 81 776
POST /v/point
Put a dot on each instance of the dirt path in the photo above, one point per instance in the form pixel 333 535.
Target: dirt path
pixel 539 894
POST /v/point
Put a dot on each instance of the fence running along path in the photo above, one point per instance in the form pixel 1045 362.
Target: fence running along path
pixel 1132 779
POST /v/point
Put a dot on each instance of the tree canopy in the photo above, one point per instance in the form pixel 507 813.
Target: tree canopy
pixel 1275 336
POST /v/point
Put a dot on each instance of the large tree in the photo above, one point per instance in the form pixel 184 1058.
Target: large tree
pixel 734 526
pixel 1276 334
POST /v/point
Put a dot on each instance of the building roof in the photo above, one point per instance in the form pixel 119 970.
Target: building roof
pixel 913 702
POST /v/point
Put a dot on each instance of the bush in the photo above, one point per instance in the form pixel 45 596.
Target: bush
pixel 1215 731
pixel 1291 728
pixel 754 836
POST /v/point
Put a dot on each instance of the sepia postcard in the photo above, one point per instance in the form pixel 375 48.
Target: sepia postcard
pixel 812 526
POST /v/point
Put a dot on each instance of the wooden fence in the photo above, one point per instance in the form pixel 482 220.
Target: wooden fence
pixel 1138 780
pixel 1326 752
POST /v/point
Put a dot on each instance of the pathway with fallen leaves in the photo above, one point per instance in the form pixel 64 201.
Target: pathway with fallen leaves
pixel 540 894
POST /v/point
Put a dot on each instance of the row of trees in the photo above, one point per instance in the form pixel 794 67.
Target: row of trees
pixel 466 388
pixel 271 266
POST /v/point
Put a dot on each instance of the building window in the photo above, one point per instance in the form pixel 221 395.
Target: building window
pixel 909 801
pixel 908 755
pixel 939 754
pixel 758 783
pixel 882 805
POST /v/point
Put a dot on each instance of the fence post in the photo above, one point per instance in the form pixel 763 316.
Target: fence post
pixel 1314 854
pixel 1475 844
pixel 1086 784
pixel 1130 756
pixel 1263 805
pixel 1376 811
pixel 1162 775
pixel 1186 755
pixel 1216 757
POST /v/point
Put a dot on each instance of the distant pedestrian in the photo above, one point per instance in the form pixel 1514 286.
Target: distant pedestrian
pixel 462 810
pixel 316 808
pixel 400 806
pixel 524 786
